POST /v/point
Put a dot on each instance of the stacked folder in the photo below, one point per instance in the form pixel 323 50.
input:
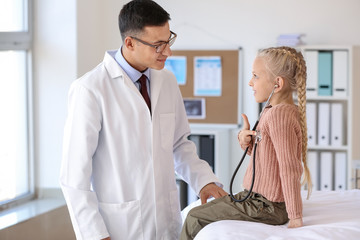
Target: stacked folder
pixel 326 128
pixel 326 124
pixel 291 40
pixel 328 170
pixel 327 73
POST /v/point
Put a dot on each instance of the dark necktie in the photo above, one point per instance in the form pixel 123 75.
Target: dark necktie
pixel 143 90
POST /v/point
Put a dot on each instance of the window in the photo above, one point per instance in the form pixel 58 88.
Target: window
pixel 16 180
pixel 12 16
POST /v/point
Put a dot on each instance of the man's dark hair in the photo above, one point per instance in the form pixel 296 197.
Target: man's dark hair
pixel 137 14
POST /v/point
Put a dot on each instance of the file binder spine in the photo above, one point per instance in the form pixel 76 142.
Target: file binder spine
pixel 337 125
pixel 325 73
pixel 340 171
pixel 324 124
pixel 311 122
pixel 326 175
pixel 340 73
pixel 312 72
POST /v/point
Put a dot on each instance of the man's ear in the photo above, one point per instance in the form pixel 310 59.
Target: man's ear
pixel 129 43
pixel 279 81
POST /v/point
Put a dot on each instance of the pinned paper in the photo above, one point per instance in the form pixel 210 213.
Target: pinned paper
pixel 207 76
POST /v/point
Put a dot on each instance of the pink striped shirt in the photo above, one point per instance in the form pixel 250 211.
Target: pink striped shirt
pixel 278 158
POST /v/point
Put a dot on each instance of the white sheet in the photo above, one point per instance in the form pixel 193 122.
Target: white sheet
pixel 327 215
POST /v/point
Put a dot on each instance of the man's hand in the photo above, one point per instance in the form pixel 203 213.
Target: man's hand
pixel 294 223
pixel 209 190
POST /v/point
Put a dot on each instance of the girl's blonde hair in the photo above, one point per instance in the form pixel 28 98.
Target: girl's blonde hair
pixel 289 64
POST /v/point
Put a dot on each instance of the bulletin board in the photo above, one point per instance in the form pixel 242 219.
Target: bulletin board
pixel 219 109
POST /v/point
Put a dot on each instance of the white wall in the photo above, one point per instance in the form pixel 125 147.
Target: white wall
pixel 219 24
pixel 54 53
pixel 97 31
pixel 70 40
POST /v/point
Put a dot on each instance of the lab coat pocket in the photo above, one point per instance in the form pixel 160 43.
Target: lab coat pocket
pixel 175 209
pixel 167 129
pixel 123 220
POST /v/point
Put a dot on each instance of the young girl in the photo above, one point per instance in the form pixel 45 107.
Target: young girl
pixel 280 154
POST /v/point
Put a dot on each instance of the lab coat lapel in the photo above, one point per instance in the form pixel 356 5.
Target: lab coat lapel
pixel 116 71
pixel 112 66
pixel 155 87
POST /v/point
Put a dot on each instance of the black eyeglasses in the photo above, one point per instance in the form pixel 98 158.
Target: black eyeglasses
pixel 159 47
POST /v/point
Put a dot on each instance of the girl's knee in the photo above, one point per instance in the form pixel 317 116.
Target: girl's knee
pixel 193 213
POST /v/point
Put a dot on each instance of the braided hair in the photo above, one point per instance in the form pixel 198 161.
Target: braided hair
pixel 289 64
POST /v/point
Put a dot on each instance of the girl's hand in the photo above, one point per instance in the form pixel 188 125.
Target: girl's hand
pixel 294 223
pixel 245 135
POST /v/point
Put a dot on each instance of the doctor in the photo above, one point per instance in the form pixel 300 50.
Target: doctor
pixel 124 138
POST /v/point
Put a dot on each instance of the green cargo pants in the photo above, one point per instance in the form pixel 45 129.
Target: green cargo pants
pixel 255 209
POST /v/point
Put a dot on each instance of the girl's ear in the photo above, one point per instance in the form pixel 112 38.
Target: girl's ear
pixel 279 81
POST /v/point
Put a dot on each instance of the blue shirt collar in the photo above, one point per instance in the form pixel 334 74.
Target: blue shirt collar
pixel 133 74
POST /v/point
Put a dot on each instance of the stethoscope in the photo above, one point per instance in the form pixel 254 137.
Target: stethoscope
pixel 257 139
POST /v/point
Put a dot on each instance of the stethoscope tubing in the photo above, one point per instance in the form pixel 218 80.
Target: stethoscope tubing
pixel 238 167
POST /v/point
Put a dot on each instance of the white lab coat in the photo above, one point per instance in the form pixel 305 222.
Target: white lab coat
pixel 118 163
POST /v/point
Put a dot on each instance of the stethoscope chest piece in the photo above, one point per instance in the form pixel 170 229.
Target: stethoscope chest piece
pixel 257 136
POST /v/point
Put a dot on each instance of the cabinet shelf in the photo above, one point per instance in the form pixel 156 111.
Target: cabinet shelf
pixel 328 148
pixel 327 98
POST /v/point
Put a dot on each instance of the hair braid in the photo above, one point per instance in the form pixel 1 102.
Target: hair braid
pixel 301 92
